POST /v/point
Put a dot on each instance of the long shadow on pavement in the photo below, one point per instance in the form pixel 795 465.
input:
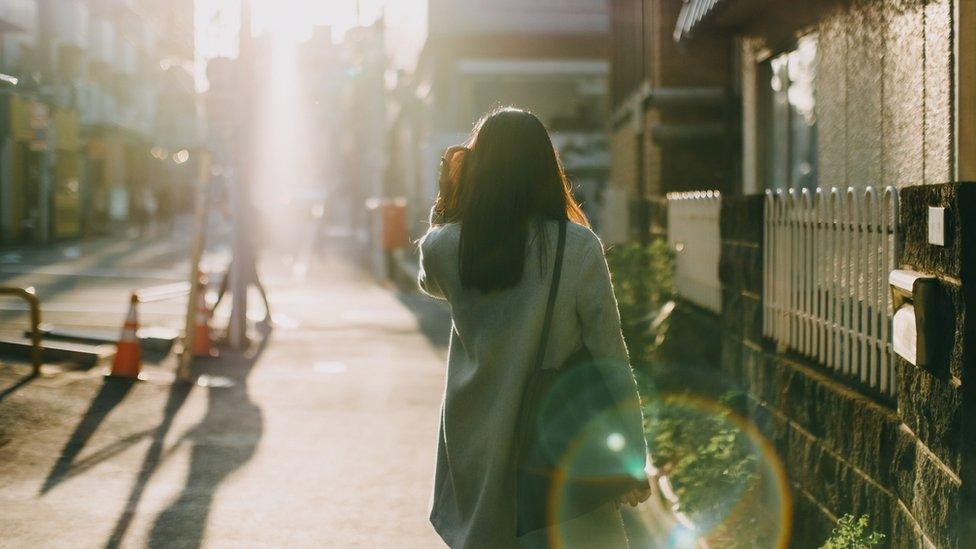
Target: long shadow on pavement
pixel 109 396
pixel 223 441
pixel 177 396
pixel 17 385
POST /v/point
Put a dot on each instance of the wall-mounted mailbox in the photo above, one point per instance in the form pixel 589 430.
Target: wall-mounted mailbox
pixel 915 329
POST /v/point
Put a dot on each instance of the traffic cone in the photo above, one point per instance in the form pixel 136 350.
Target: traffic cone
pixel 128 355
pixel 202 340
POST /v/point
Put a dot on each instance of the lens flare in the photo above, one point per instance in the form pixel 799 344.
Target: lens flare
pixel 714 477
pixel 616 442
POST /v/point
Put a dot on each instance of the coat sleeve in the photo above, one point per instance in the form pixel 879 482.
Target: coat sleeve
pixel 427 277
pixel 599 319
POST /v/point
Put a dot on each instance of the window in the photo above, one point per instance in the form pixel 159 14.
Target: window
pixel 790 125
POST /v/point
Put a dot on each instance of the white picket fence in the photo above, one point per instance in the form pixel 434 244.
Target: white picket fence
pixel 826 260
pixel 693 233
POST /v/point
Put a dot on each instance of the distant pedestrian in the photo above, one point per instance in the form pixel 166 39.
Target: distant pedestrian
pixel 506 230
pixel 251 277
pixel 247 255
pixel 164 198
pixel 143 209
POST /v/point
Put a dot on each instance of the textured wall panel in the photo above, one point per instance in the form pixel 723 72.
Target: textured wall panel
pixel 652 156
pixel 831 94
pixel 865 42
pixel 623 158
pixel 903 102
pixel 938 91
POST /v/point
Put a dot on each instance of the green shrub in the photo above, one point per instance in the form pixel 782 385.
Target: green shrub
pixel 851 533
pixel 643 282
pixel 710 461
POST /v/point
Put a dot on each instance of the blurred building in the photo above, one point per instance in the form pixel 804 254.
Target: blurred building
pixel 673 124
pixel 222 105
pixel 548 56
pixel 341 97
pixel 92 89
pixel 324 73
pixel 364 119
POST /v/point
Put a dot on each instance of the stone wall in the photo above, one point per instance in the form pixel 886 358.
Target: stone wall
pixel 938 404
pixel 907 463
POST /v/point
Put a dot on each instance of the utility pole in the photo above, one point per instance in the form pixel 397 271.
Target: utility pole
pixel 240 195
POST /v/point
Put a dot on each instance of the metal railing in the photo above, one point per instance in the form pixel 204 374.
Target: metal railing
pixel 693 233
pixel 826 259
pixel 30 296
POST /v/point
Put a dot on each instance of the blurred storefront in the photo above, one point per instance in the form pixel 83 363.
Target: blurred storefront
pixel 66 199
pixel 95 196
pixel 88 89
pixel 23 154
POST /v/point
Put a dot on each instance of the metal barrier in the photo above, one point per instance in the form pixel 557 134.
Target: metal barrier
pixel 28 295
pixel 826 259
pixel 693 233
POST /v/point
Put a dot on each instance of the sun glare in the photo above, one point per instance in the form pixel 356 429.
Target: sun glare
pixel 283 172
pixel 294 19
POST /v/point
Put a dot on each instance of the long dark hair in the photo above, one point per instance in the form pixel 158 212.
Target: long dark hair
pixel 509 179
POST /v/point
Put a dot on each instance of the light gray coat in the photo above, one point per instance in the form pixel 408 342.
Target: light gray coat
pixel 492 351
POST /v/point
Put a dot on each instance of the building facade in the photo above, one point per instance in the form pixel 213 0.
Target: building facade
pixel 673 125
pixel 95 92
pixel 852 158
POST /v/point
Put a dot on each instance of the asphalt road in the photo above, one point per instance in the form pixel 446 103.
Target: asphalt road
pixel 321 434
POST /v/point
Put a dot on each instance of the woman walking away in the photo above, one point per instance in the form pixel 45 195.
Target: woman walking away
pixel 541 434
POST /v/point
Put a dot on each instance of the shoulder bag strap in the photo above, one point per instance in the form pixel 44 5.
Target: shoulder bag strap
pixel 553 288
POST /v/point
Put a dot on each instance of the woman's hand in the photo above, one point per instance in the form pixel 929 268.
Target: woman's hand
pixel 450 166
pixel 635 496
pixel 446 200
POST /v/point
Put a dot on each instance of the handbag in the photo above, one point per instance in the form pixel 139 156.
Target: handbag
pixel 570 455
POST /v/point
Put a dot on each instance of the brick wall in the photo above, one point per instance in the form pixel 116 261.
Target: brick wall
pixel 909 463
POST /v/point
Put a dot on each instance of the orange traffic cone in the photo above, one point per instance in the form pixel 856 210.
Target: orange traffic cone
pixel 202 341
pixel 128 355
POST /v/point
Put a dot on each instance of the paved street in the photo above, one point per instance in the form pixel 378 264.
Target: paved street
pixel 321 435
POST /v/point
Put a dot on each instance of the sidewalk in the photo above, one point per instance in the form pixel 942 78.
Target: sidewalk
pixel 326 436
